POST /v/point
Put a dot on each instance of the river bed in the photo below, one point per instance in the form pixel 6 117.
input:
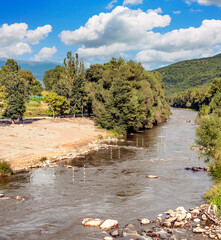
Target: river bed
pixel 110 183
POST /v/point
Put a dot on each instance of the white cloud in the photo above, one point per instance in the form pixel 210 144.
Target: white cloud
pixel 122 25
pixel 176 12
pixel 34 36
pixel 111 4
pixel 15 39
pixel 158 10
pixel 45 53
pixel 132 2
pixel 205 2
pixel 124 30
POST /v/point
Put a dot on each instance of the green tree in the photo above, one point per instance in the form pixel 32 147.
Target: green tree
pixel 57 104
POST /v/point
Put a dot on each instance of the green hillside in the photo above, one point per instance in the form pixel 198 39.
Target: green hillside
pixel 191 73
pixel 37 68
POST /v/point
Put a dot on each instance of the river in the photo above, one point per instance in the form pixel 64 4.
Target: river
pixel 110 183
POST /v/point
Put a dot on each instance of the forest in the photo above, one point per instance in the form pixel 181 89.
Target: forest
pixel 121 95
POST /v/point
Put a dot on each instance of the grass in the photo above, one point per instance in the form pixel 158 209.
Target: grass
pixel 5 167
pixel 213 195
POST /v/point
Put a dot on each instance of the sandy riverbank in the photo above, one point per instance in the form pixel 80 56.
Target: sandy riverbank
pixel 24 144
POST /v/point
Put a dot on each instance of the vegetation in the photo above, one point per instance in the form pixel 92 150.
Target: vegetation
pixel 124 97
pixel 57 104
pixel 190 74
pixel 208 137
pixel 68 81
pixel 5 167
pixel 16 85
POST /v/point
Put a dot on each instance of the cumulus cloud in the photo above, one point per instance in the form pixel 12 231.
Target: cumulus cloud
pixel 122 25
pixel 111 4
pixel 15 39
pixel 205 2
pixel 158 10
pixel 132 2
pixel 124 30
pixel 45 53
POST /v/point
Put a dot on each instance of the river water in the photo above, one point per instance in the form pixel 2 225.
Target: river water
pixel 110 183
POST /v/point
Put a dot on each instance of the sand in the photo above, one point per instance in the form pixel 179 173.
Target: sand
pixel 24 144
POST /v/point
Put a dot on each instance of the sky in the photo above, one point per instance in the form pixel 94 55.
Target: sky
pixel 154 32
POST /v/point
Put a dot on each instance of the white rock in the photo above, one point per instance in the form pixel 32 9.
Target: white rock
pixel 152 177
pixel 91 222
pixel 181 210
pixel 108 238
pixel 109 224
pixel 199 230
pixel 195 211
pixel 188 216
pixel 181 217
pixel 171 220
pixel 196 220
pixel 145 221
pixel 204 217
pixel 178 224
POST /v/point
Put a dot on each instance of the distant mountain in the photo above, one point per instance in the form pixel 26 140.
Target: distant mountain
pixel 191 73
pixel 37 68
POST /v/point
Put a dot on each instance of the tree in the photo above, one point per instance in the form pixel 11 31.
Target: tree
pixel 57 104
pixel 124 97
pixel 16 95
pixel 33 85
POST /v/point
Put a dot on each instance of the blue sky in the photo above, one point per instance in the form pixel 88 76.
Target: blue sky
pixel 154 32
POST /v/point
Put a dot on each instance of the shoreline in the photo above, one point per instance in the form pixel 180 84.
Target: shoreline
pixel 29 145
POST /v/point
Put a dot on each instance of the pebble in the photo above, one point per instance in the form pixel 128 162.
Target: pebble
pixel 145 221
pixel 109 224
pixel 196 220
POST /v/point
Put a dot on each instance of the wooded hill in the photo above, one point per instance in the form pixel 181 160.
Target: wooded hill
pixel 190 73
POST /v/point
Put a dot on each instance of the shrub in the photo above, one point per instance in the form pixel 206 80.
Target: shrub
pixel 5 167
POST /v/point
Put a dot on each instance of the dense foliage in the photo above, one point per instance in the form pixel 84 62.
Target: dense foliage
pixel 68 81
pixel 208 138
pixel 189 74
pixel 124 97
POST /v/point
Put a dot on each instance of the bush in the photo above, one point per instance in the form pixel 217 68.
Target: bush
pixel 5 167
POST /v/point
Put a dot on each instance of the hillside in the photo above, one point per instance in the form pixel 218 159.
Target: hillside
pixel 37 68
pixel 191 73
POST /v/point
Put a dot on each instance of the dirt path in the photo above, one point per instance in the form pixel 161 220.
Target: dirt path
pixel 22 144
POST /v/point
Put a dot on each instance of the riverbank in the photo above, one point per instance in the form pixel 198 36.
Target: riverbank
pixel 28 144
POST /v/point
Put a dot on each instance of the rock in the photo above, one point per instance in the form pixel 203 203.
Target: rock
pixel 169 212
pixel 115 233
pixel 196 220
pixel 145 221
pixel 109 224
pixel 212 236
pixel 171 220
pixel 108 238
pixel 2 195
pixel 91 222
pixel 131 233
pixel 152 177
pixel 19 198
pixel 181 210
pixel 178 224
pixel 188 216
pixel 204 217
pixel 218 235
pixel 167 224
pixel 199 230
pixel 181 217
pixel 195 211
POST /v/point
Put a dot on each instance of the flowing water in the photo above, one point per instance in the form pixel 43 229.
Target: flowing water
pixel 110 183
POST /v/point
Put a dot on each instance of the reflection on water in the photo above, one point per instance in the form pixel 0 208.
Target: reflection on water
pixel 110 183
